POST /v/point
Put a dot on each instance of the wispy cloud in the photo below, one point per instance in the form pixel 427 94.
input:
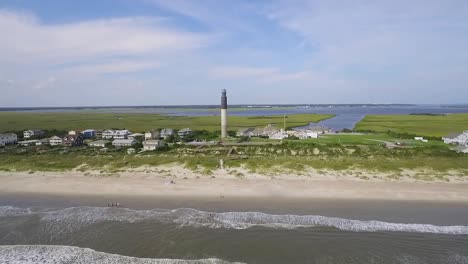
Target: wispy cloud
pixel 263 74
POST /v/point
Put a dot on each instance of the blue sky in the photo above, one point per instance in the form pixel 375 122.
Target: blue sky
pixel 156 52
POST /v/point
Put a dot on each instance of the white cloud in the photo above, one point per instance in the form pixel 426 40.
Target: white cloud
pixel 25 38
pixel 45 83
pixel 113 66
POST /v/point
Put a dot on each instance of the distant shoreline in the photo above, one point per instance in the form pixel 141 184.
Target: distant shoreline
pixel 182 183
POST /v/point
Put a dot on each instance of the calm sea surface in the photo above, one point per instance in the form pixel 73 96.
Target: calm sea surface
pixel 346 115
pixel 55 230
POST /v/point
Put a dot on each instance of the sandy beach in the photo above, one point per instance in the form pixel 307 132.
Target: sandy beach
pixel 179 182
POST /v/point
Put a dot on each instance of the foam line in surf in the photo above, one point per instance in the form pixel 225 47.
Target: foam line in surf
pixel 73 218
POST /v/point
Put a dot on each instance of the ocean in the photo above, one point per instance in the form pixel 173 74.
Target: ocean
pixel 79 230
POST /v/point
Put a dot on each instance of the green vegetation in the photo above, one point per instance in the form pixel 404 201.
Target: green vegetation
pixel 333 152
pixel 421 125
pixel 16 121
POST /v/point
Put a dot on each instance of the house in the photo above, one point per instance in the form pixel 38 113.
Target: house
pixel 121 134
pixel 457 138
pixel 304 134
pixel 317 129
pixel 43 141
pixel 55 141
pixel 461 149
pixel 421 139
pixel 99 133
pixel 88 133
pixel 153 144
pixel 270 130
pixel 152 134
pixel 33 133
pixel 108 134
pixel 184 132
pixel 124 142
pixel 73 140
pixel 99 143
pixel 72 132
pixel 28 142
pixel 135 135
pixel 166 132
pixel 246 132
pixel 278 135
pixel 8 138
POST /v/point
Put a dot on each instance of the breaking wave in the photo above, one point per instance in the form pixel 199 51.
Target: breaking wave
pixel 66 254
pixel 71 219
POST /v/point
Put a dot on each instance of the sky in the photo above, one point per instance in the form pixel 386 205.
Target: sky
pixel 173 52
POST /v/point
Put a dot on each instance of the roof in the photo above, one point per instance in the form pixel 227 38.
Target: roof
pixel 245 130
pixel 88 130
pixel 185 130
pixel 152 142
pixel 55 138
pixel 124 141
pixel 100 142
pixel 34 130
pixel 8 134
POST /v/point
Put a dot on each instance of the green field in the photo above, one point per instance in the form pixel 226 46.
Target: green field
pixel 15 121
pixel 422 125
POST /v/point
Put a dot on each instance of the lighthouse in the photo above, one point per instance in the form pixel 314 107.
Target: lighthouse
pixel 223 114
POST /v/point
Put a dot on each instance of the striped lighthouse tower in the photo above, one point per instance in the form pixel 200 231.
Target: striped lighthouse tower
pixel 223 114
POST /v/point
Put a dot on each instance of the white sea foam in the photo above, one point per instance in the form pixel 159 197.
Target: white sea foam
pixel 71 219
pixel 41 254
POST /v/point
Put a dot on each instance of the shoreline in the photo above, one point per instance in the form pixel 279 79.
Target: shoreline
pixel 177 182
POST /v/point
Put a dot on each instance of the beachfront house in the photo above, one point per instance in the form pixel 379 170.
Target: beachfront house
pixel 99 143
pixel 55 141
pixel 278 135
pixel 108 134
pixel 121 134
pixel 33 133
pixel 457 138
pixel 166 132
pixel 184 132
pixel 73 140
pixel 8 138
pixel 152 134
pixel 153 144
pixel 246 132
pixel 124 142
pixel 88 133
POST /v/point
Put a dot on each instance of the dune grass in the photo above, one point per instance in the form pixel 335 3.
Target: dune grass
pixel 17 121
pixel 422 125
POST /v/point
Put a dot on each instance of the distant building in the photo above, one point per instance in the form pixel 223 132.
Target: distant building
pixel 278 135
pixel 88 133
pixel 28 142
pixel 124 142
pixel 421 139
pixel 167 132
pixel 99 143
pixel 107 134
pixel 152 134
pixel 153 144
pixel 184 132
pixel 318 129
pixel 55 141
pixel 33 133
pixel 131 151
pixel 270 130
pixel 121 134
pixel 246 132
pixel 72 132
pixel 73 140
pixel 43 141
pixel 305 134
pixel 457 138
pixel 8 138
pixel 135 135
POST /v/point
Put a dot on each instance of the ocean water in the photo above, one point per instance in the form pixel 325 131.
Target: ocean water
pixel 92 234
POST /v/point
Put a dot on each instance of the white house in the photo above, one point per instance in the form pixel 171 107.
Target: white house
pixel 421 139
pixel 54 141
pixel 108 134
pixel 246 132
pixel 99 143
pixel 28 142
pixel 72 132
pixel 457 138
pixel 184 132
pixel 121 134
pixel 278 135
pixel 32 133
pixel 304 134
pixel 166 132
pixel 152 134
pixel 153 144
pixel 8 138
pixel 124 142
